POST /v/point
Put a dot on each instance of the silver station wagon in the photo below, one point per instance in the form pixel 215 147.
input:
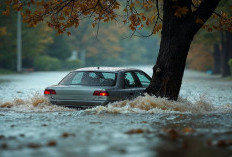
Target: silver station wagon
pixel 95 86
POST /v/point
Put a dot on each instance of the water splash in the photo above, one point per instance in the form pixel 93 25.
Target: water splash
pixel 34 103
pixel 142 104
pixel 152 104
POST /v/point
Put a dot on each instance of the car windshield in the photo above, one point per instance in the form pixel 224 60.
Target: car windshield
pixel 91 78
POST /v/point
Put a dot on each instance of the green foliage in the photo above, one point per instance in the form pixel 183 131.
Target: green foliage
pixel 8 42
pixel 71 64
pixel 113 47
pixel 60 48
pixel 34 41
pixel 46 63
pixel 5 71
pixel 230 64
pixel 140 50
pixel 42 49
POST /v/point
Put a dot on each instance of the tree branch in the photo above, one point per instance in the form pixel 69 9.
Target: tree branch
pixel 206 9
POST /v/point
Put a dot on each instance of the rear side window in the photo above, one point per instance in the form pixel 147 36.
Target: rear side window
pixel 77 78
pixel 143 78
pixel 108 75
pixel 90 78
pixel 129 81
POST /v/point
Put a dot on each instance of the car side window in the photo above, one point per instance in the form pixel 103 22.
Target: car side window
pixel 143 78
pixel 108 75
pixel 129 80
pixel 77 78
pixel 92 75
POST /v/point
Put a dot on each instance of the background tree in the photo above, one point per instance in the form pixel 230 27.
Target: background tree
pixel 42 47
pixel 61 47
pixel 35 39
pixel 226 52
pixel 216 41
pixel 111 47
pixel 181 21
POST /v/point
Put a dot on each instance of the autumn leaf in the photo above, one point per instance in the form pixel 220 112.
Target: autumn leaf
pixel 93 25
pixel 209 29
pixel 181 12
pixel 230 29
pixel 144 18
pixel 152 18
pixel 224 15
pixel 61 17
pixel 199 20
pixel 137 131
pixel 132 5
pixel 51 143
pixel 17 7
pixel 215 27
pixel 68 33
pixel 188 130
pixel 6 12
pixel 147 23
pixel 28 11
pixel 171 133
pixel 60 31
pixel 157 28
pixel 8 2
pixel 125 10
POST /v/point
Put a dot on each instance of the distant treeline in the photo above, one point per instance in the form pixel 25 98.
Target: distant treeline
pixel 211 52
pixel 43 49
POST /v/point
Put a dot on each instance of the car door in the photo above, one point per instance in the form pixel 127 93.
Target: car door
pixel 144 79
pixel 132 87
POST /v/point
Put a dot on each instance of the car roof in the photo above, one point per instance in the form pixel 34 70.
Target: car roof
pixel 108 69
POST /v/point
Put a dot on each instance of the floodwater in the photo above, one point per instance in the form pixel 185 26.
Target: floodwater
pixel 198 124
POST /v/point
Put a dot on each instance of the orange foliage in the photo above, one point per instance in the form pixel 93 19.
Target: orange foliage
pixel 63 14
pixel 199 20
pixel 181 11
pixel 108 42
pixel 199 58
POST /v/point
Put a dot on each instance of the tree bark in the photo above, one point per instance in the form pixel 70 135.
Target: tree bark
pixel 217 59
pixel 176 37
pixel 226 41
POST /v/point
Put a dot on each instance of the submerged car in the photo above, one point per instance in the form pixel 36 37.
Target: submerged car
pixel 95 86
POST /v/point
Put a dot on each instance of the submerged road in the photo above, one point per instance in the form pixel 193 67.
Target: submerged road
pixel 199 124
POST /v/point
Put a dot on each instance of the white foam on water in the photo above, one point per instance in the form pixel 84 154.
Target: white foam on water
pixel 142 104
pixel 34 103
pixel 152 104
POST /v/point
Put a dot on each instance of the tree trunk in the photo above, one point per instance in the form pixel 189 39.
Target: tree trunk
pixel 217 60
pixel 230 45
pixel 177 35
pixel 226 42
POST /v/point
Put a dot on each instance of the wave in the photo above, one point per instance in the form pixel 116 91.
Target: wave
pixel 142 104
pixel 152 104
pixel 34 103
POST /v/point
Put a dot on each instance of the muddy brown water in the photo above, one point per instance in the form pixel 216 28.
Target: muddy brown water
pixel 198 124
